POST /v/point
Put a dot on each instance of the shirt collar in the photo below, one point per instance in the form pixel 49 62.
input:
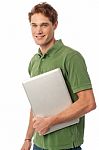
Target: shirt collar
pixel 58 44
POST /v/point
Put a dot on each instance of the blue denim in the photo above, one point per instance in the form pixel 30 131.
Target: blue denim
pixel 38 148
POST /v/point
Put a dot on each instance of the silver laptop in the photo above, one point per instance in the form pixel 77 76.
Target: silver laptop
pixel 48 95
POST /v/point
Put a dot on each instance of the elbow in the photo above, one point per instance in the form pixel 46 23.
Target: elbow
pixel 91 106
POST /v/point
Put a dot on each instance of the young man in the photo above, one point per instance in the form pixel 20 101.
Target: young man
pixel 54 54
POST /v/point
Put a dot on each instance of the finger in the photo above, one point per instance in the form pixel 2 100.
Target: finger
pixel 34 120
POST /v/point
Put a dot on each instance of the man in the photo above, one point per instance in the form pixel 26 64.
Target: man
pixel 54 54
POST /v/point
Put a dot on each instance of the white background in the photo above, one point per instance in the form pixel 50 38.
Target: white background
pixel 78 28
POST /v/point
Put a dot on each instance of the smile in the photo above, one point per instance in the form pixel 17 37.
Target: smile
pixel 40 36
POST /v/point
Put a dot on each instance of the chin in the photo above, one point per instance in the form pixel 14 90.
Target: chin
pixel 40 42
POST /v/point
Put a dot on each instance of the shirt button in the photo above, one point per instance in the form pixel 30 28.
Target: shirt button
pixel 43 59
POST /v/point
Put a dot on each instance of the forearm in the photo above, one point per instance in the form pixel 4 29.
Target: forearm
pixel 83 105
pixel 68 114
pixel 30 130
pixel 43 124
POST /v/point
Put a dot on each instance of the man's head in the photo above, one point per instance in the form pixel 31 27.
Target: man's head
pixel 43 20
pixel 46 10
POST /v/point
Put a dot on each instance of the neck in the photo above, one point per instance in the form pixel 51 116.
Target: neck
pixel 46 47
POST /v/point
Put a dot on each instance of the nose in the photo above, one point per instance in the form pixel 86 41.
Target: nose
pixel 39 30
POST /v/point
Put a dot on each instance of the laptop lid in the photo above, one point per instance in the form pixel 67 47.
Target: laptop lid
pixel 49 95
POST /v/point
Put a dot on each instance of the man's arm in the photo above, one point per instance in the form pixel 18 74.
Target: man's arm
pixel 84 104
pixel 29 134
pixel 30 129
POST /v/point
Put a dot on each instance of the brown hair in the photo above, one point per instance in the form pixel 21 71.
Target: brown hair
pixel 45 9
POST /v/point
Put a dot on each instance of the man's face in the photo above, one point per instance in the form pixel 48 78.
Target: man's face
pixel 42 29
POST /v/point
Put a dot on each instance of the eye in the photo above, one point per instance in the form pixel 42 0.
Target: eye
pixel 44 25
pixel 33 25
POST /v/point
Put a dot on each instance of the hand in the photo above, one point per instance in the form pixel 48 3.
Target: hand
pixel 26 145
pixel 41 124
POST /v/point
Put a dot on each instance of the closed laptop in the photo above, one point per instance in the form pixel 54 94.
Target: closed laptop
pixel 49 95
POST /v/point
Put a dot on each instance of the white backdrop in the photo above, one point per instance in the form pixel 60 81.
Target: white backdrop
pixel 78 28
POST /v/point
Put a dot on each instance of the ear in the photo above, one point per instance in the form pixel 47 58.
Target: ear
pixel 55 25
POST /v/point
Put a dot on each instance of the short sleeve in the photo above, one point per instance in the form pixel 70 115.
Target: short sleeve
pixel 31 65
pixel 77 73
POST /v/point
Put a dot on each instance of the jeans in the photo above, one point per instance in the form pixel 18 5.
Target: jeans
pixel 38 148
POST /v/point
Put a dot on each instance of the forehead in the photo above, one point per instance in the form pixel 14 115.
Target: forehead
pixel 39 18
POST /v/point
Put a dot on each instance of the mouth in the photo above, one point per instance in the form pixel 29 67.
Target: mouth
pixel 40 36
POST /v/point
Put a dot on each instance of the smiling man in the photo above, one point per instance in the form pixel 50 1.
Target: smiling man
pixel 43 31
pixel 54 54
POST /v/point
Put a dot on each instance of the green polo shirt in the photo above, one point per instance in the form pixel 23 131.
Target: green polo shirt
pixel 75 73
